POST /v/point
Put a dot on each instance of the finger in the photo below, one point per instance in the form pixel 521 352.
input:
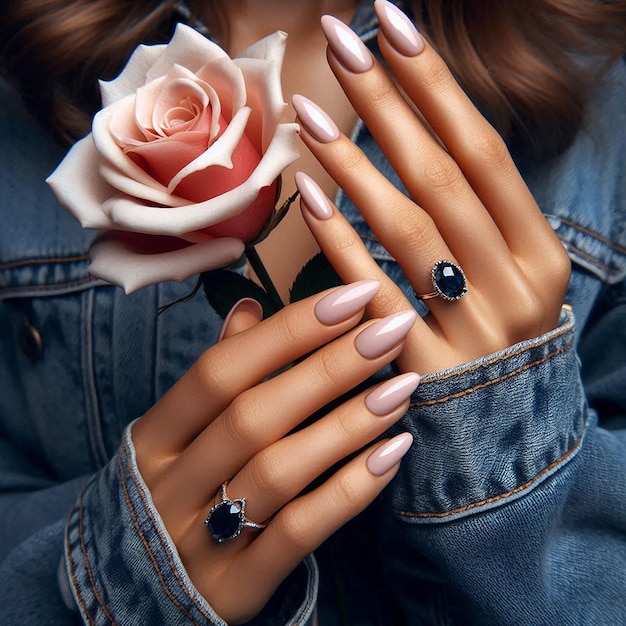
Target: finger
pixel 245 314
pixel 280 472
pixel 242 361
pixel 430 174
pixel 471 140
pixel 306 522
pixel 460 323
pixel 264 414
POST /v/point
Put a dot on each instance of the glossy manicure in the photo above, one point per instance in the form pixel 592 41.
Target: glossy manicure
pixel 384 334
pixel 315 120
pixel 389 454
pixel 245 304
pixel 312 198
pixel 348 48
pixel 398 29
pixel 392 393
pixel 345 301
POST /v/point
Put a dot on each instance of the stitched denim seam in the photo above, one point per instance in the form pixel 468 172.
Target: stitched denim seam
pixel 592 259
pixel 83 549
pixel 43 288
pixel 546 470
pixel 593 234
pixel 70 561
pixel 163 543
pixel 43 261
pixel 498 358
pixel 488 383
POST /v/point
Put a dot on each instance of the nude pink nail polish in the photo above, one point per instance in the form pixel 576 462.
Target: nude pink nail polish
pixel 346 45
pixel 345 301
pixel 389 454
pixel 245 304
pixel 312 198
pixel 384 334
pixel 398 29
pixel 315 120
pixel 392 393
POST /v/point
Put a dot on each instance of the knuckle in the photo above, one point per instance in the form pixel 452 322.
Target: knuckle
pixel 348 428
pixel 348 491
pixel 243 424
pixel 442 173
pixel 329 368
pixel 268 474
pixel 493 152
pixel 437 76
pixel 288 330
pixel 348 157
pixel 296 530
pixel 417 235
pixel 212 374
pixel 382 92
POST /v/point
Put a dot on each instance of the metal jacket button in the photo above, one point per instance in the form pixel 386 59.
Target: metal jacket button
pixel 30 341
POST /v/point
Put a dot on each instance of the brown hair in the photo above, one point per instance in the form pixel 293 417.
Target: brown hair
pixel 529 65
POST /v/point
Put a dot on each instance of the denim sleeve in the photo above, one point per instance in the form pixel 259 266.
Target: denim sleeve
pixel 511 506
pixel 122 565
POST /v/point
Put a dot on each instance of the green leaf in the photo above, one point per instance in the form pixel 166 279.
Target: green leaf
pixel 224 288
pixel 317 275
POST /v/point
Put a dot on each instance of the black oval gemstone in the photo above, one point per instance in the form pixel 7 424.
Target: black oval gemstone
pixel 449 280
pixel 224 520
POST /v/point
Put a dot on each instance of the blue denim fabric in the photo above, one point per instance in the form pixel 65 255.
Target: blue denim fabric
pixel 509 509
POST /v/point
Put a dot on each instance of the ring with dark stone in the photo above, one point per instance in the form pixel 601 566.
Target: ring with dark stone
pixel 448 280
pixel 228 518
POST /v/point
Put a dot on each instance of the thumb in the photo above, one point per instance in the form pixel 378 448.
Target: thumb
pixel 244 314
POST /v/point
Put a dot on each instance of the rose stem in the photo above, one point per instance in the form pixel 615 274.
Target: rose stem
pixel 259 269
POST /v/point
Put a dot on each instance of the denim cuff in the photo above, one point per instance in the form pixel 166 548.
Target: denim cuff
pixel 489 431
pixel 121 563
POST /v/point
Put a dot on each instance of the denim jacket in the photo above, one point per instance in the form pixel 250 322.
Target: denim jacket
pixel 498 515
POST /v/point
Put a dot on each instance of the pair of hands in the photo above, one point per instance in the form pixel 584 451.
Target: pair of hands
pixel 226 421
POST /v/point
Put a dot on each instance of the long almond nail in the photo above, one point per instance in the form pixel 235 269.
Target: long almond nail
pixel 389 454
pixel 315 120
pixel 384 334
pixel 398 29
pixel 245 304
pixel 348 48
pixel 392 393
pixel 312 197
pixel 345 301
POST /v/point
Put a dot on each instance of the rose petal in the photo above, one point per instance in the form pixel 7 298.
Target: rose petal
pixel 227 80
pixel 219 153
pixel 265 98
pixel 126 185
pixel 78 186
pixel 123 259
pixel 130 214
pixel 132 76
pixel 271 48
pixel 187 48
pixel 111 152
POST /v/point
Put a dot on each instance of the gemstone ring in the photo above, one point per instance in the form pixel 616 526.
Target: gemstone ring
pixel 448 280
pixel 228 518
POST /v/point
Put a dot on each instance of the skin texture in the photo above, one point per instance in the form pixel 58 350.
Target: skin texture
pixel 470 205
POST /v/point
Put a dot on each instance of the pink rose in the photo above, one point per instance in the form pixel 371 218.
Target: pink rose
pixel 181 166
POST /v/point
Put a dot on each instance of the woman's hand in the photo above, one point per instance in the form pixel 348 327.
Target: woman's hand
pixel 226 420
pixel 467 203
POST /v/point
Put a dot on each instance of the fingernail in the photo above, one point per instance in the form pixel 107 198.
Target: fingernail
pixel 389 454
pixel 398 29
pixel 315 120
pixel 392 393
pixel 382 335
pixel 312 197
pixel 348 48
pixel 245 304
pixel 345 301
